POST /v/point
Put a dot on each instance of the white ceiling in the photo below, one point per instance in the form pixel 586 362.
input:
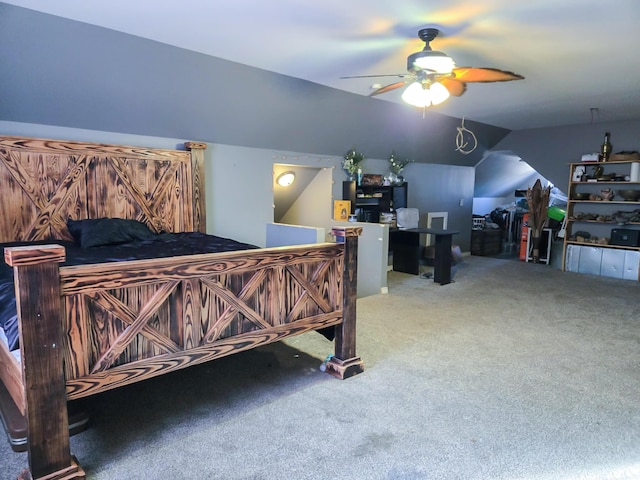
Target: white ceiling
pixel 575 55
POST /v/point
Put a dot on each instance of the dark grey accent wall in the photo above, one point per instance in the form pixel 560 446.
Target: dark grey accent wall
pixel 442 188
pixel 66 73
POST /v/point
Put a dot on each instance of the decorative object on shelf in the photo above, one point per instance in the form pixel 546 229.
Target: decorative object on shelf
pixel 351 163
pixel 579 173
pixel 391 179
pixel 587 238
pixel 371 179
pixel 597 172
pixel 623 218
pixel 629 195
pixel 605 148
pixel 396 166
pixel 538 200
pixel 607 194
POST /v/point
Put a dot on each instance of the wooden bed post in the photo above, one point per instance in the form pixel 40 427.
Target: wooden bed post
pixel 345 363
pixel 197 172
pixel 40 316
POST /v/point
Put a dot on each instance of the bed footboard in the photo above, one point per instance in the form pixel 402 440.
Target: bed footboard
pixel 345 363
pixel 41 345
pixel 97 327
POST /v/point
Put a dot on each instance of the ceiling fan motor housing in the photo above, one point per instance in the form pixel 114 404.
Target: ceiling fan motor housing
pixel 431 61
pixel 418 62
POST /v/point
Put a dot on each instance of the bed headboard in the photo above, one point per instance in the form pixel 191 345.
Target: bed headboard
pixel 45 182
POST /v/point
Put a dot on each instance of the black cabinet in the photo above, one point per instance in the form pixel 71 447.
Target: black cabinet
pixel 369 201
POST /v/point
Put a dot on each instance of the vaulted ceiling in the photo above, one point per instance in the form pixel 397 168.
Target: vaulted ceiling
pixel 578 57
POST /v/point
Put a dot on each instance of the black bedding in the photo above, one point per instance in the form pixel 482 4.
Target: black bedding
pixel 143 247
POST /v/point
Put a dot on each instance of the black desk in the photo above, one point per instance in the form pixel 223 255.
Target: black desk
pixel 407 250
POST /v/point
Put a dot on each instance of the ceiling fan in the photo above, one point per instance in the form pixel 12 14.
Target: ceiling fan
pixel 433 76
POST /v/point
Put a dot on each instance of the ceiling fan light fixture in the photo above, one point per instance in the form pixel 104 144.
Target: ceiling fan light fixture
pixel 416 95
pixel 423 95
pixel 439 93
pixel 431 61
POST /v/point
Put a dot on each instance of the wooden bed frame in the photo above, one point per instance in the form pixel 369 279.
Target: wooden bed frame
pixel 87 329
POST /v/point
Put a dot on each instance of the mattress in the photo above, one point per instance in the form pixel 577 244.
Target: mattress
pixel 5 340
pixel 155 246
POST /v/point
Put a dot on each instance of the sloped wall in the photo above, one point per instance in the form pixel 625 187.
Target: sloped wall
pixel 550 150
pixel 66 73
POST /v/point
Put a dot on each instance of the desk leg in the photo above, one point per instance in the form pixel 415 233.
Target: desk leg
pixel 406 251
pixel 442 260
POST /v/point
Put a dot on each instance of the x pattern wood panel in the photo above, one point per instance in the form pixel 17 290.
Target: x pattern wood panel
pixel 239 307
pixel 40 191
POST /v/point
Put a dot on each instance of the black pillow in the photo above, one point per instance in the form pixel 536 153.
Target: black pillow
pixel 107 231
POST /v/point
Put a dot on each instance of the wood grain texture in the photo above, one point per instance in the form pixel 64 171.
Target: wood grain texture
pixel 137 371
pixel 197 173
pixel 120 274
pixel 46 182
pixel 345 363
pixel 32 254
pixel 145 310
pixel 11 376
pixel 109 325
pixel 41 345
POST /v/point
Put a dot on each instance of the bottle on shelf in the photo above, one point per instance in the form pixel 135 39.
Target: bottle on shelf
pixel 605 148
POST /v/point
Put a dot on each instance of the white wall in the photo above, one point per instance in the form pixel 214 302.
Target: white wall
pixel 313 206
pixel 280 235
pixel 242 180
pixel 239 192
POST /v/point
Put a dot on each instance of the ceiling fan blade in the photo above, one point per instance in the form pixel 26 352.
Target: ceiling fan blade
pixel 388 88
pixel 455 86
pixel 400 75
pixel 472 74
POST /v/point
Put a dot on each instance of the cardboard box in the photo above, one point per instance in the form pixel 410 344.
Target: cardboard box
pixel 624 157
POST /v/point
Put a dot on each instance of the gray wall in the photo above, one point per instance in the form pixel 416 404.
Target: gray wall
pixel 62 72
pixel 550 150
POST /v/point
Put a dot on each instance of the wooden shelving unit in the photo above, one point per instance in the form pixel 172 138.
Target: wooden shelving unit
pixel 577 209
